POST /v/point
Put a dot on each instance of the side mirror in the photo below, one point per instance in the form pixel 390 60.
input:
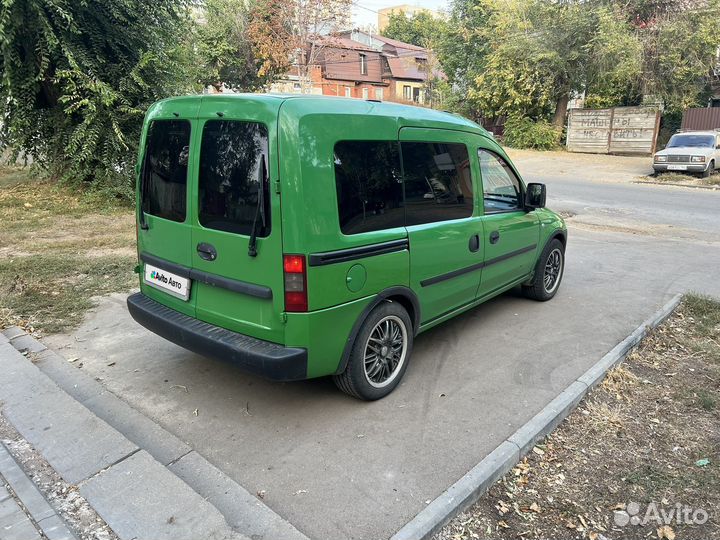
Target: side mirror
pixel 535 196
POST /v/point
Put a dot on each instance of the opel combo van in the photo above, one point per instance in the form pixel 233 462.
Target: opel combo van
pixel 306 236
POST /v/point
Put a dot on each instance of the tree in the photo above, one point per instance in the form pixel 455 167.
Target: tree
pixel 78 76
pixel 298 30
pixel 421 29
pixel 225 46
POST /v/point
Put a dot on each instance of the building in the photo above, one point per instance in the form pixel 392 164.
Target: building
pixel 362 65
pixel 407 9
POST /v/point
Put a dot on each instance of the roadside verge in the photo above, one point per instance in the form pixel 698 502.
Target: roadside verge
pixel 473 484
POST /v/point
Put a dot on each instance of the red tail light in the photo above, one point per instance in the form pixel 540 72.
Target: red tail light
pixel 296 299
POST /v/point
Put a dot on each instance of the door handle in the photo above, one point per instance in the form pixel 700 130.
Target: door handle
pixel 494 237
pixel 206 251
pixel 474 243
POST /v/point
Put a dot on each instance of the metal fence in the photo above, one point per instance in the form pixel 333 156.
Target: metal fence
pixel 701 119
pixel 620 130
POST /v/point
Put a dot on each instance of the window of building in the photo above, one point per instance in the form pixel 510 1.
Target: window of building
pixel 233 177
pixel 365 93
pixel 407 92
pixel 363 64
pixel 164 172
pixel 348 91
pixel 379 94
pixel 438 183
pixel 501 187
pixel 369 186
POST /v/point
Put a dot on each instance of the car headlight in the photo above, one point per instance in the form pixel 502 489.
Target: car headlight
pixel 698 159
pixel 661 159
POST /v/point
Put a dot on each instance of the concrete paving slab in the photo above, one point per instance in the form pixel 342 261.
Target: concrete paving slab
pixel 243 511
pixel 75 442
pixel 55 529
pixel 138 428
pixel 14 524
pixel 79 385
pixel 157 505
pixel 146 434
pixel 4 493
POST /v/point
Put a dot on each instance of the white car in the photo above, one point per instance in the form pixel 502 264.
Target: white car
pixel 690 151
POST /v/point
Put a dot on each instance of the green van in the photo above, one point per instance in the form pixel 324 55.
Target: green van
pixel 305 236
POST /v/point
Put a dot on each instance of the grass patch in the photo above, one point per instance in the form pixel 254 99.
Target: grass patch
pixel 679 178
pixel 59 248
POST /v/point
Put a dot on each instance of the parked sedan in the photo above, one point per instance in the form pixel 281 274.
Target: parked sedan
pixel 690 151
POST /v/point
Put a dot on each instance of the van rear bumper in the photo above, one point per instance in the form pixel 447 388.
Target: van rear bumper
pixel 253 355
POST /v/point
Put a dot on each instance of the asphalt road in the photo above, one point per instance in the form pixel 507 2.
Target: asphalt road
pixel 338 468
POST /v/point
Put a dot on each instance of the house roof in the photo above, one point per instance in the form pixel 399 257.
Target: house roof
pixel 344 43
pixel 405 68
pixel 398 44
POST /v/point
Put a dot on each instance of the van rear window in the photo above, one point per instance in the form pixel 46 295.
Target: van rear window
pixel 233 181
pixel 369 186
pixel 164 173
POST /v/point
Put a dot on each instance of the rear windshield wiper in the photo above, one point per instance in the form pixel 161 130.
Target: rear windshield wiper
pixel 143 221
pixel 259 209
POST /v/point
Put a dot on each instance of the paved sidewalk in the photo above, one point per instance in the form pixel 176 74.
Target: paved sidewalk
pixel 24 512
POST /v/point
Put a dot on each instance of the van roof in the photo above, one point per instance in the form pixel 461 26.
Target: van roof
pixel 314 104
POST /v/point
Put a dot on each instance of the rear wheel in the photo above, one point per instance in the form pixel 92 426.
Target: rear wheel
pixel 380 354
pixel 548 272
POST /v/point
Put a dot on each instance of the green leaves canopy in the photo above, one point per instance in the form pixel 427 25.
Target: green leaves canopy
pixel 78 75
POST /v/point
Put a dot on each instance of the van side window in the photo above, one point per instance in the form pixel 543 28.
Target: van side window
pixel 501 188
pixel 369 186
pixel 232 175
pixel 164 172
pixel 438 183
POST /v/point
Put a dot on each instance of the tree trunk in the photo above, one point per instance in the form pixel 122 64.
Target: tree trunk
pixel 561 110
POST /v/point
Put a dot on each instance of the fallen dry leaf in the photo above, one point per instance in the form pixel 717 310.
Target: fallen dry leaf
pixel 666 532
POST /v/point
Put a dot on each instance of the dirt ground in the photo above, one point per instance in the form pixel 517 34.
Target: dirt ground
pixel 58 249
pixel 639 458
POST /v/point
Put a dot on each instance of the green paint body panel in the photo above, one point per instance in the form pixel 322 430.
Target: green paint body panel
pixel 302 133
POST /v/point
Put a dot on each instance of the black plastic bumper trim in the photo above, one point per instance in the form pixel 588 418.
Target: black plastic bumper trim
pixel 476 266
pixel 235 285
pixel 351 254
pixel 253 355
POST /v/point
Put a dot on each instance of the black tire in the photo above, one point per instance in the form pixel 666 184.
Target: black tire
pixel 539 289
pixel 355 380
pixel 711 169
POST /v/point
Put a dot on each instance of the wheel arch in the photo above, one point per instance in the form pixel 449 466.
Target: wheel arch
pixel 403 296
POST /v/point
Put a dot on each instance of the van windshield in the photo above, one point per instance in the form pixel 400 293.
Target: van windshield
pixel 232 175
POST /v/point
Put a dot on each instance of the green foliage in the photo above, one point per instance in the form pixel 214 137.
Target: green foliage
pixel 421 29
pixel 513 57
pixel 224 46
pixel 522 132
pixel 615 62
pixel 78 76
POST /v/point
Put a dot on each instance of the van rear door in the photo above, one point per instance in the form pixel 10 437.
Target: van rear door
pixel 238 286
pixel 164 230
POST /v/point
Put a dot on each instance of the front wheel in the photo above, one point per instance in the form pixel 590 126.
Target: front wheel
pixel 711 169
pixel 548 272
pixel 380 354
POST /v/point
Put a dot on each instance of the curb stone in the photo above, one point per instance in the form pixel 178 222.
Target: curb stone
pixel 35 504
pixel 478 480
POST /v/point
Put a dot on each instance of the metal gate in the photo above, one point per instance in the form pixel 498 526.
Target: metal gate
pixel 620 130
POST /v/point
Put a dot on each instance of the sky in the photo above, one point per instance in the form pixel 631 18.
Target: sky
pixel 364 11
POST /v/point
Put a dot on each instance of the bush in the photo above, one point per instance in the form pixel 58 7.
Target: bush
pixel 524 133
